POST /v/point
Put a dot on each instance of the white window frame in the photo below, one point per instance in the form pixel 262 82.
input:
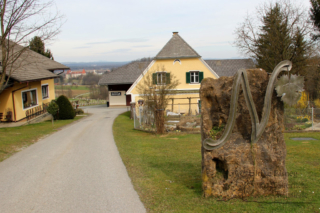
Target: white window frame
pixel 194 72
pixel 37 103
pixel 165 76
pixel 44 98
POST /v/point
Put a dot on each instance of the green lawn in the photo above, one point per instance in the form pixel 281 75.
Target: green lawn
pixel 81 87
pixel 166 173
pixel 14 139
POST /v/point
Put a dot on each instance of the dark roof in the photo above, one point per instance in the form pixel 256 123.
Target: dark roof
pixel 31 65
pixel 126 74
pixel 177 48
pixel 229 67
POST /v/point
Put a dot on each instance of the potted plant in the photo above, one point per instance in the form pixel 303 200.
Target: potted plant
pixel 9 115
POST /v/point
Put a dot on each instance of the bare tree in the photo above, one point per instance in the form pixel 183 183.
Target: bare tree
pixel 275 32
pixel 20 21
pixel 156 88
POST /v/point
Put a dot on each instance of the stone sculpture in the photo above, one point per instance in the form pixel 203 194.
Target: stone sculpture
pixel 249 156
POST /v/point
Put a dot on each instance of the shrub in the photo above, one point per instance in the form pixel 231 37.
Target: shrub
pixel 53 108
pixel 303 119
pixel 66 110
pixel 78 111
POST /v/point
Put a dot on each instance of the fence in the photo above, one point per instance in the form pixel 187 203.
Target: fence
pixel 144 119
pixel 36 111
pixel 301 119
pixel 185 105
pixel 87 102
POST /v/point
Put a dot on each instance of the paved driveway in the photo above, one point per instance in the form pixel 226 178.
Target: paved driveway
pixel 77 169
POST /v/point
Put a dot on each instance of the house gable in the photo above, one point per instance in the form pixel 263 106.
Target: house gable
pixel 179 70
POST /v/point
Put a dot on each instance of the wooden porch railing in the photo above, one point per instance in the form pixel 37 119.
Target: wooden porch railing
pixel 36 111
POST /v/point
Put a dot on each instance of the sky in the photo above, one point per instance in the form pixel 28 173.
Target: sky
pixel 125 30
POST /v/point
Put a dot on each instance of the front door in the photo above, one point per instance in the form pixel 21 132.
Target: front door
pixel 128 99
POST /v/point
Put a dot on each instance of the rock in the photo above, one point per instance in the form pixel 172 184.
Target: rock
pixel 191 124
pixel 172 114
pixel 170 126
pixel 239 168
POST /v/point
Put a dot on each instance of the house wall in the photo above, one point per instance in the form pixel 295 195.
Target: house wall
pixel 6 101
pixel 181 103
pixel 52 94
pixel 179 70
pixel 117 100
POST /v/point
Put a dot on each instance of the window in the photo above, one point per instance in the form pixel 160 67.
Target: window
pixel 161 78
pixel 45 91
pixel 194 77
pixel 29 98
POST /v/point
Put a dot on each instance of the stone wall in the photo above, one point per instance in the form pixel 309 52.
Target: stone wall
pixel 239 168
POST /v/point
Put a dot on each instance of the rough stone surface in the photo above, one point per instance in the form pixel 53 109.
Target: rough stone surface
pixel 239 168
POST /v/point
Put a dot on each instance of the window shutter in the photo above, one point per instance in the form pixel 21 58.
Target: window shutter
pixel 167 78
pixel 154 78
pixel 200 76
pixel 188 77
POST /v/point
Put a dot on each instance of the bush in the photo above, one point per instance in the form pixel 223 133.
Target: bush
pixel 66 110
pixel 53 108
pixel 301 119
pixel 78 111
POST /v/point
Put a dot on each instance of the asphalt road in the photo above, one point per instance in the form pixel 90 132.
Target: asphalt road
pixel 78 169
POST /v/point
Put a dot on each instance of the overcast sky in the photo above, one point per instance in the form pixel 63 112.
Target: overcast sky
pixel 125 30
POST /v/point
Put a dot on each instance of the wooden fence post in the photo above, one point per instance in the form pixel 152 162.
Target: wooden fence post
pixel 172 104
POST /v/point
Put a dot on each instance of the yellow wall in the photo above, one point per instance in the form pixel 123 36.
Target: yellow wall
pixel 6 102
pixel 179 70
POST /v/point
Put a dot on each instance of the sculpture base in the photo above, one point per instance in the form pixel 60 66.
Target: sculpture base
pixel 239 168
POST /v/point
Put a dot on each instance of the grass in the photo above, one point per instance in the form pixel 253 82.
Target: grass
pixel 65 87
pixel 15 139
pixel 166 173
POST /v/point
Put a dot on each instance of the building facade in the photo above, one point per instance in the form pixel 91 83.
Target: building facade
pixel 176 58
pixel 31 85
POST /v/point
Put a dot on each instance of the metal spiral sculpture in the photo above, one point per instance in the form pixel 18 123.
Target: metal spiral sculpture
pixel 257 127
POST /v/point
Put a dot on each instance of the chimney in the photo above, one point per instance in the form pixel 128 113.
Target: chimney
pixel 175 33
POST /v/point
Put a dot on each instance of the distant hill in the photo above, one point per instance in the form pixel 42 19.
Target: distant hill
pixel 103 65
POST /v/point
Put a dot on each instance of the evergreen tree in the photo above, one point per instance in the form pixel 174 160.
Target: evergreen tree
pixel 37 45
pixel 278 38
pixel 66 110
pixel 274 41
pixel 298 54
pixel 315 16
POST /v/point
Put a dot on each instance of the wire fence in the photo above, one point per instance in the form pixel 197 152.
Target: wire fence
pixel 87 102
pixel 144 119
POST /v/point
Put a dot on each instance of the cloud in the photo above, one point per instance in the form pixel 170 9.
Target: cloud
pixel 142 46
pixel 82 47
pixel 129 40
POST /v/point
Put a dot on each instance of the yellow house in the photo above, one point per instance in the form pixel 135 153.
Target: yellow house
pixel 178 58
pixel 30 86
